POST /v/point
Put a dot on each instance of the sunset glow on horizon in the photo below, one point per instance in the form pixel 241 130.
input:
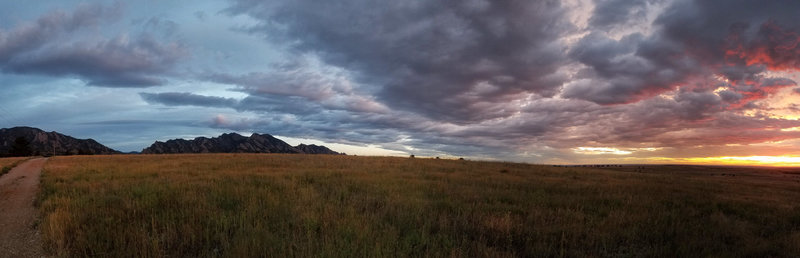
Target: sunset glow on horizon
pixel 767 161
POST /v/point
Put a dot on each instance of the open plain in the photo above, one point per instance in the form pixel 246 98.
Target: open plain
pixel 251 205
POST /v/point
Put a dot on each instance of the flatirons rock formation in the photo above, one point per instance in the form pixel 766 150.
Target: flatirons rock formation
pixel 45 143
pixel 233 143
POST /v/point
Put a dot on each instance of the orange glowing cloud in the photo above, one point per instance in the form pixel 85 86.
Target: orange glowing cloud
pixel 777 49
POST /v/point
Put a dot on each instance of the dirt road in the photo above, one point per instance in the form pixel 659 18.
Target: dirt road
pixel 18 237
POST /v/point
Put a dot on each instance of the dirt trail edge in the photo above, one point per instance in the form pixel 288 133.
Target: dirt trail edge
pixel 18 237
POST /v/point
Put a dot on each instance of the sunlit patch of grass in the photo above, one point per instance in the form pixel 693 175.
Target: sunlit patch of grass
pixel 240 205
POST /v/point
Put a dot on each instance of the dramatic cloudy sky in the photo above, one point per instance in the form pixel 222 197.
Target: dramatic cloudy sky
pixel 581 81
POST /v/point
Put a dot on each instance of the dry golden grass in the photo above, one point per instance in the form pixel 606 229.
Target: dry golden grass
pixel 6 164
pixel 242 205
pixel 9 161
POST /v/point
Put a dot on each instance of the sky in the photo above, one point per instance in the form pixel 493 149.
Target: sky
pixel 555 82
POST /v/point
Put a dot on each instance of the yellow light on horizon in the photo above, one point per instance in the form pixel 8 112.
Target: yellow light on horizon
pixel 777 161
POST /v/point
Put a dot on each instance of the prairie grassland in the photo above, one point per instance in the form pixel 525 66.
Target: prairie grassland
pixel 241 205
pixel 6 164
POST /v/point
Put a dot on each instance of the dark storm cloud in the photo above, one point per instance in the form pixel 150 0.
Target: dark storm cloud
pixel 693 42
pixel 616 74
pixel 421 53
pixel 52 46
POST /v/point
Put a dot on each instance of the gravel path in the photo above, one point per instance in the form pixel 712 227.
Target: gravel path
pixel 18 237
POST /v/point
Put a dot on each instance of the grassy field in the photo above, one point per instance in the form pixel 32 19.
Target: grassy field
pixel 6 164
pixel 237 205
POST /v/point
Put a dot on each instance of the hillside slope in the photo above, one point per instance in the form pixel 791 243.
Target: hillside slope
pixel 46 143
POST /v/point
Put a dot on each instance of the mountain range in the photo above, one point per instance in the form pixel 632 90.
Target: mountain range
pixel 33 141
pixel 234 143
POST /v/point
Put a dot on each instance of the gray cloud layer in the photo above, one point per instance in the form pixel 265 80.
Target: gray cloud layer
pixel 51 46
pixel 422 53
